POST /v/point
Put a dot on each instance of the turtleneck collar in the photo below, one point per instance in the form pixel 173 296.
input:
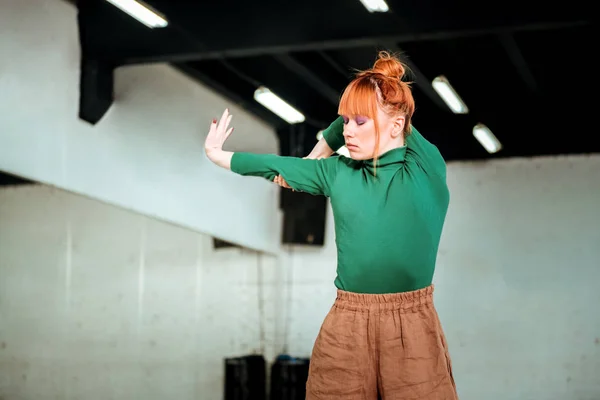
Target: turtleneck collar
pixel 392 157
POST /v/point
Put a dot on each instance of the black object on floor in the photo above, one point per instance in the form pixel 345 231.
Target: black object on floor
pixel 245 378
pixel 288 378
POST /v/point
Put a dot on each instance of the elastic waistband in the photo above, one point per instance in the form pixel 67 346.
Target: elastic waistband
pixel 384 301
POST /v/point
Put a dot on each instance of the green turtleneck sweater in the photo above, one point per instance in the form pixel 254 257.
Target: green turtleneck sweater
pixel 388 219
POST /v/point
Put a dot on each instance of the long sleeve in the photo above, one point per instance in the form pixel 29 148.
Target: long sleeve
pixel 311 176
pixel 334 134
pixel 425 154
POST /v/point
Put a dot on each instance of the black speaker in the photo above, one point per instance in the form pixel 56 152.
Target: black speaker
pixel 303 218
pixel 303 214
pixel 245 378
pixel 288 378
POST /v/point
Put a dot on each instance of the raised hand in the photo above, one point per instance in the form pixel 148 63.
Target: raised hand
pixel 218 133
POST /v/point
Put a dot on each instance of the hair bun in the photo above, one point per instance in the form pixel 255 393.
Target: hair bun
pixel 388 65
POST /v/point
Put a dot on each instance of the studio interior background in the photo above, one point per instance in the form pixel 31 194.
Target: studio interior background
pixel 133 268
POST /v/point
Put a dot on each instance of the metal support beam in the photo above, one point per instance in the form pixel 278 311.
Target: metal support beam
pixel 95 89
pixel 256 83
pixel 96 78
pixel 241 49
pixel 311 78
pixel 420 80
pixel 334 64
pixel 249 105
pixel 514 53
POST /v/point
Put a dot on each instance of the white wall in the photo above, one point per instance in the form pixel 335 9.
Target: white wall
pixel 97 302
pixel 518 273
pixel 146 154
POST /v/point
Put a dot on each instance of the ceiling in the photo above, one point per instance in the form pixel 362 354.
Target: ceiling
pixel 523 68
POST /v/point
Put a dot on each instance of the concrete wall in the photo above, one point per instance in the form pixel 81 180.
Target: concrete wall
pixel 98 302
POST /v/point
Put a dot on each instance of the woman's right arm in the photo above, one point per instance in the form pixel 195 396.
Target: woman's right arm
pixel 323 148
pixel 306 175
pixel 333 136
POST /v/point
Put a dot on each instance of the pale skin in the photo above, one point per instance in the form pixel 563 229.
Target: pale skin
pixel 359 135
pixel 217 135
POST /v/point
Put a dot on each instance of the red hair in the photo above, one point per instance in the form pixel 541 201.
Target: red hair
pixel 380 85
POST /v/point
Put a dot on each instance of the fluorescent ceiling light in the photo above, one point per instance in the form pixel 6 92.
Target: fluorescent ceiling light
pixel 375 5
pixel 274 103
pixel 449 95
pixel 140 12
pixel 487 139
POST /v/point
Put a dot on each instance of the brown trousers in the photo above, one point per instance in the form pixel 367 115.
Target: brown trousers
pixel 388 346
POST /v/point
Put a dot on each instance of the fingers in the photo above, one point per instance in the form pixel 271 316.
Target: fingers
pixel 223 120
pixel 228 121
pixel 228 132
pixel 221 127
pixel 281 182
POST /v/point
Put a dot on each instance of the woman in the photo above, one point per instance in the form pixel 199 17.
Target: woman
pixel 382 336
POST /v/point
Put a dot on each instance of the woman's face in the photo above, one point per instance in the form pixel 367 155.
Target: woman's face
pixel 360 135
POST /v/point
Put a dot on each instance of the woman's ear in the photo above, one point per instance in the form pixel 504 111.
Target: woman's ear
pixel 398 126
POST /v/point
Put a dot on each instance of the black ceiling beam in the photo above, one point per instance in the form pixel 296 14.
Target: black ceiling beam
pixel 127 36
pixel 419 79
pixel 165 49
pixel 96 77
pixel 96 84
pixel 334 64
pixel 267 72
pixel 516 57
pixel 245 101
pixel 321 87
pixel 256 84
pixel 249 105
